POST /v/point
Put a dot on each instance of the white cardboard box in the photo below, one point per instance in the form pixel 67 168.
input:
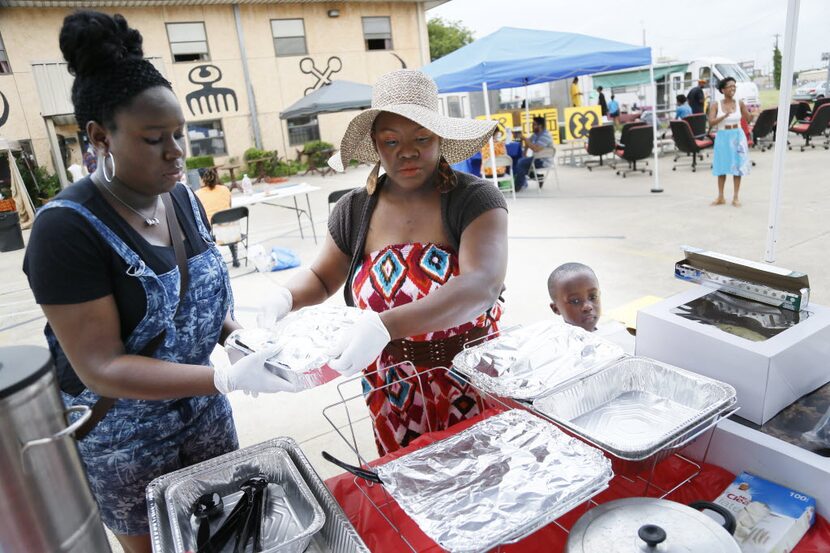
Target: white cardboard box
pixel 738 448
pixel 768 375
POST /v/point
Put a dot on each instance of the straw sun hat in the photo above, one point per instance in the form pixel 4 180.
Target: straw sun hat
pixel 413 95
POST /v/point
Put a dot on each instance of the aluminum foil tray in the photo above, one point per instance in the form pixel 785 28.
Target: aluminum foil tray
pixel 495 482
pixel 637 407
pixel 337 535
pixel 292 517
pixel 528 362
pixel 304 338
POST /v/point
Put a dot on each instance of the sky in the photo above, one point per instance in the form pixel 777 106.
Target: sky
pixel 738 29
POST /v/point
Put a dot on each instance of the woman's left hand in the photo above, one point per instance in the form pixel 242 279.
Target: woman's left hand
pixel 359 345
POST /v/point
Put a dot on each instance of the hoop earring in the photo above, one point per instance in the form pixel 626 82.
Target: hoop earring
pixel 372 180
pixel 104 166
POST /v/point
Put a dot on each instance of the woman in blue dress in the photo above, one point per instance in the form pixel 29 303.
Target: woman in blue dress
pixel 731 150
pixel 123 322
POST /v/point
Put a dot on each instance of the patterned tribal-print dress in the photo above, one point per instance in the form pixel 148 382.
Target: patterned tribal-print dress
pixel 397 275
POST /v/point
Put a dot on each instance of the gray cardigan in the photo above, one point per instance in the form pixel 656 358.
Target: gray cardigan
pixel 349 221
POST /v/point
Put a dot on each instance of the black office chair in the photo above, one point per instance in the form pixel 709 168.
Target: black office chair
pixel 763 126
pixel 640 146
pixel 626 128
pixel 685 141
pixel 698 123
pixel 336 195
pixel 815 127
pixel 232 215
pixel 601 142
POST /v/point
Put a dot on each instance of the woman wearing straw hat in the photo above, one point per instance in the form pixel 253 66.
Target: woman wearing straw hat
pixel 422 250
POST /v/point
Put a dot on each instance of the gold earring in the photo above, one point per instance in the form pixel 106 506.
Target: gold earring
pixel 372 180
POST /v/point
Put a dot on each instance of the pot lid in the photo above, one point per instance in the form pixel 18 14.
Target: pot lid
pixel 628 525
pixel 21 366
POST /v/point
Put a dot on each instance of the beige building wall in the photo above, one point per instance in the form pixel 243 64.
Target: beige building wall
pixel 31 35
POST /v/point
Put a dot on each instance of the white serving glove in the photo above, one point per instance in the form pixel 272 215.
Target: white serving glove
pixel 250 375
pixel 359 345
pixel 277 303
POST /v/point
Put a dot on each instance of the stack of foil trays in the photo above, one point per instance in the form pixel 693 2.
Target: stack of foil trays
pixel 527 362
pixel 302 515
pixel 637 409
pixel 495 482
pixel 303 338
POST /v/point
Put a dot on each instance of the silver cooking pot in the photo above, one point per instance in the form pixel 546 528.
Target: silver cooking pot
pixel 645 525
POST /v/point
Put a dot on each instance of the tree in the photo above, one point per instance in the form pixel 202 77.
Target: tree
pixel 446 37
pixel 776 66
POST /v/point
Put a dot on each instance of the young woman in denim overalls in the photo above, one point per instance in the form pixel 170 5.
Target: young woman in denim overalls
pixel 101 264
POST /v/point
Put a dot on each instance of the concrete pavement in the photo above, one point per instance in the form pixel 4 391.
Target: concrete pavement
pixel 630 237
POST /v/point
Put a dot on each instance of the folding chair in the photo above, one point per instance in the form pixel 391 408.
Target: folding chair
pixel 506 182
pixel 336 195
pixel 548 155
pixel 232 215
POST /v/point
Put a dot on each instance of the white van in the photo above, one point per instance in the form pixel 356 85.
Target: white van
pixel 712 70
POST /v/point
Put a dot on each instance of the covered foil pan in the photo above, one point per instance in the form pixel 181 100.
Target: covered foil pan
pixel 291 515
pixel 493 483
pixel 530 361
pixel 303 339
pixel 336 536
pixel 637 408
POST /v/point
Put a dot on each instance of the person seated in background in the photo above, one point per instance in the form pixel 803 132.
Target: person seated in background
pixel 614 110
pixel 575 296
pixel 538 141
pixel 216 197
pixel 683 109
pixel 500 149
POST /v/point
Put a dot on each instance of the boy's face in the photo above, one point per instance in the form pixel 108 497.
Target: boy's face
pixel 576 299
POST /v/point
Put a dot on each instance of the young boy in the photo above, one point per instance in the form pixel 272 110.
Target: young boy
pixel 575 296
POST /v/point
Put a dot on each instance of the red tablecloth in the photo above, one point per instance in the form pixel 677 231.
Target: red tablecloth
pixel 381 537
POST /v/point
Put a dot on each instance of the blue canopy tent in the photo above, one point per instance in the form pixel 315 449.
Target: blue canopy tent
pixel 512 57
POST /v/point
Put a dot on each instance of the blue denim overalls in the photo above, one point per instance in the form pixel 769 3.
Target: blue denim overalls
pixel 139 440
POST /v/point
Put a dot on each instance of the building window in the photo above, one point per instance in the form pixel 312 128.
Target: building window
pixel 289 37
pixel 302 130
pixel 206 138
pixel 377 33
pixel 5 68
pixel 188 41
pixel 454 108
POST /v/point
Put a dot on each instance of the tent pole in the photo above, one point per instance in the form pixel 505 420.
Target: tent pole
pixel 490 142
pixel 527 111
pixel 784 99
pixel 656 186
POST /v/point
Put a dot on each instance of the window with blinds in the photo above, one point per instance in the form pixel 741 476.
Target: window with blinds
pixel 188 41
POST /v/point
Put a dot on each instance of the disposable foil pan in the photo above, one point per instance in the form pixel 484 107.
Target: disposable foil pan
pixel 292 514
pixel 336 536
pixel 495 482
pixel 303 337
pixel 528 362
pixel 637 408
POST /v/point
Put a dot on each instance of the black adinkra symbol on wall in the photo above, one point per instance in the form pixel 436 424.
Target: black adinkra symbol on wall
pixel 206 75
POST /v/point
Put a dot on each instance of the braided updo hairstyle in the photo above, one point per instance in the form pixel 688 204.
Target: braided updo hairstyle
pixel 107 60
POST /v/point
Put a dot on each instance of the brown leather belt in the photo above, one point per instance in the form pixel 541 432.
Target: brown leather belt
pixel 433 353
pixel 730 127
